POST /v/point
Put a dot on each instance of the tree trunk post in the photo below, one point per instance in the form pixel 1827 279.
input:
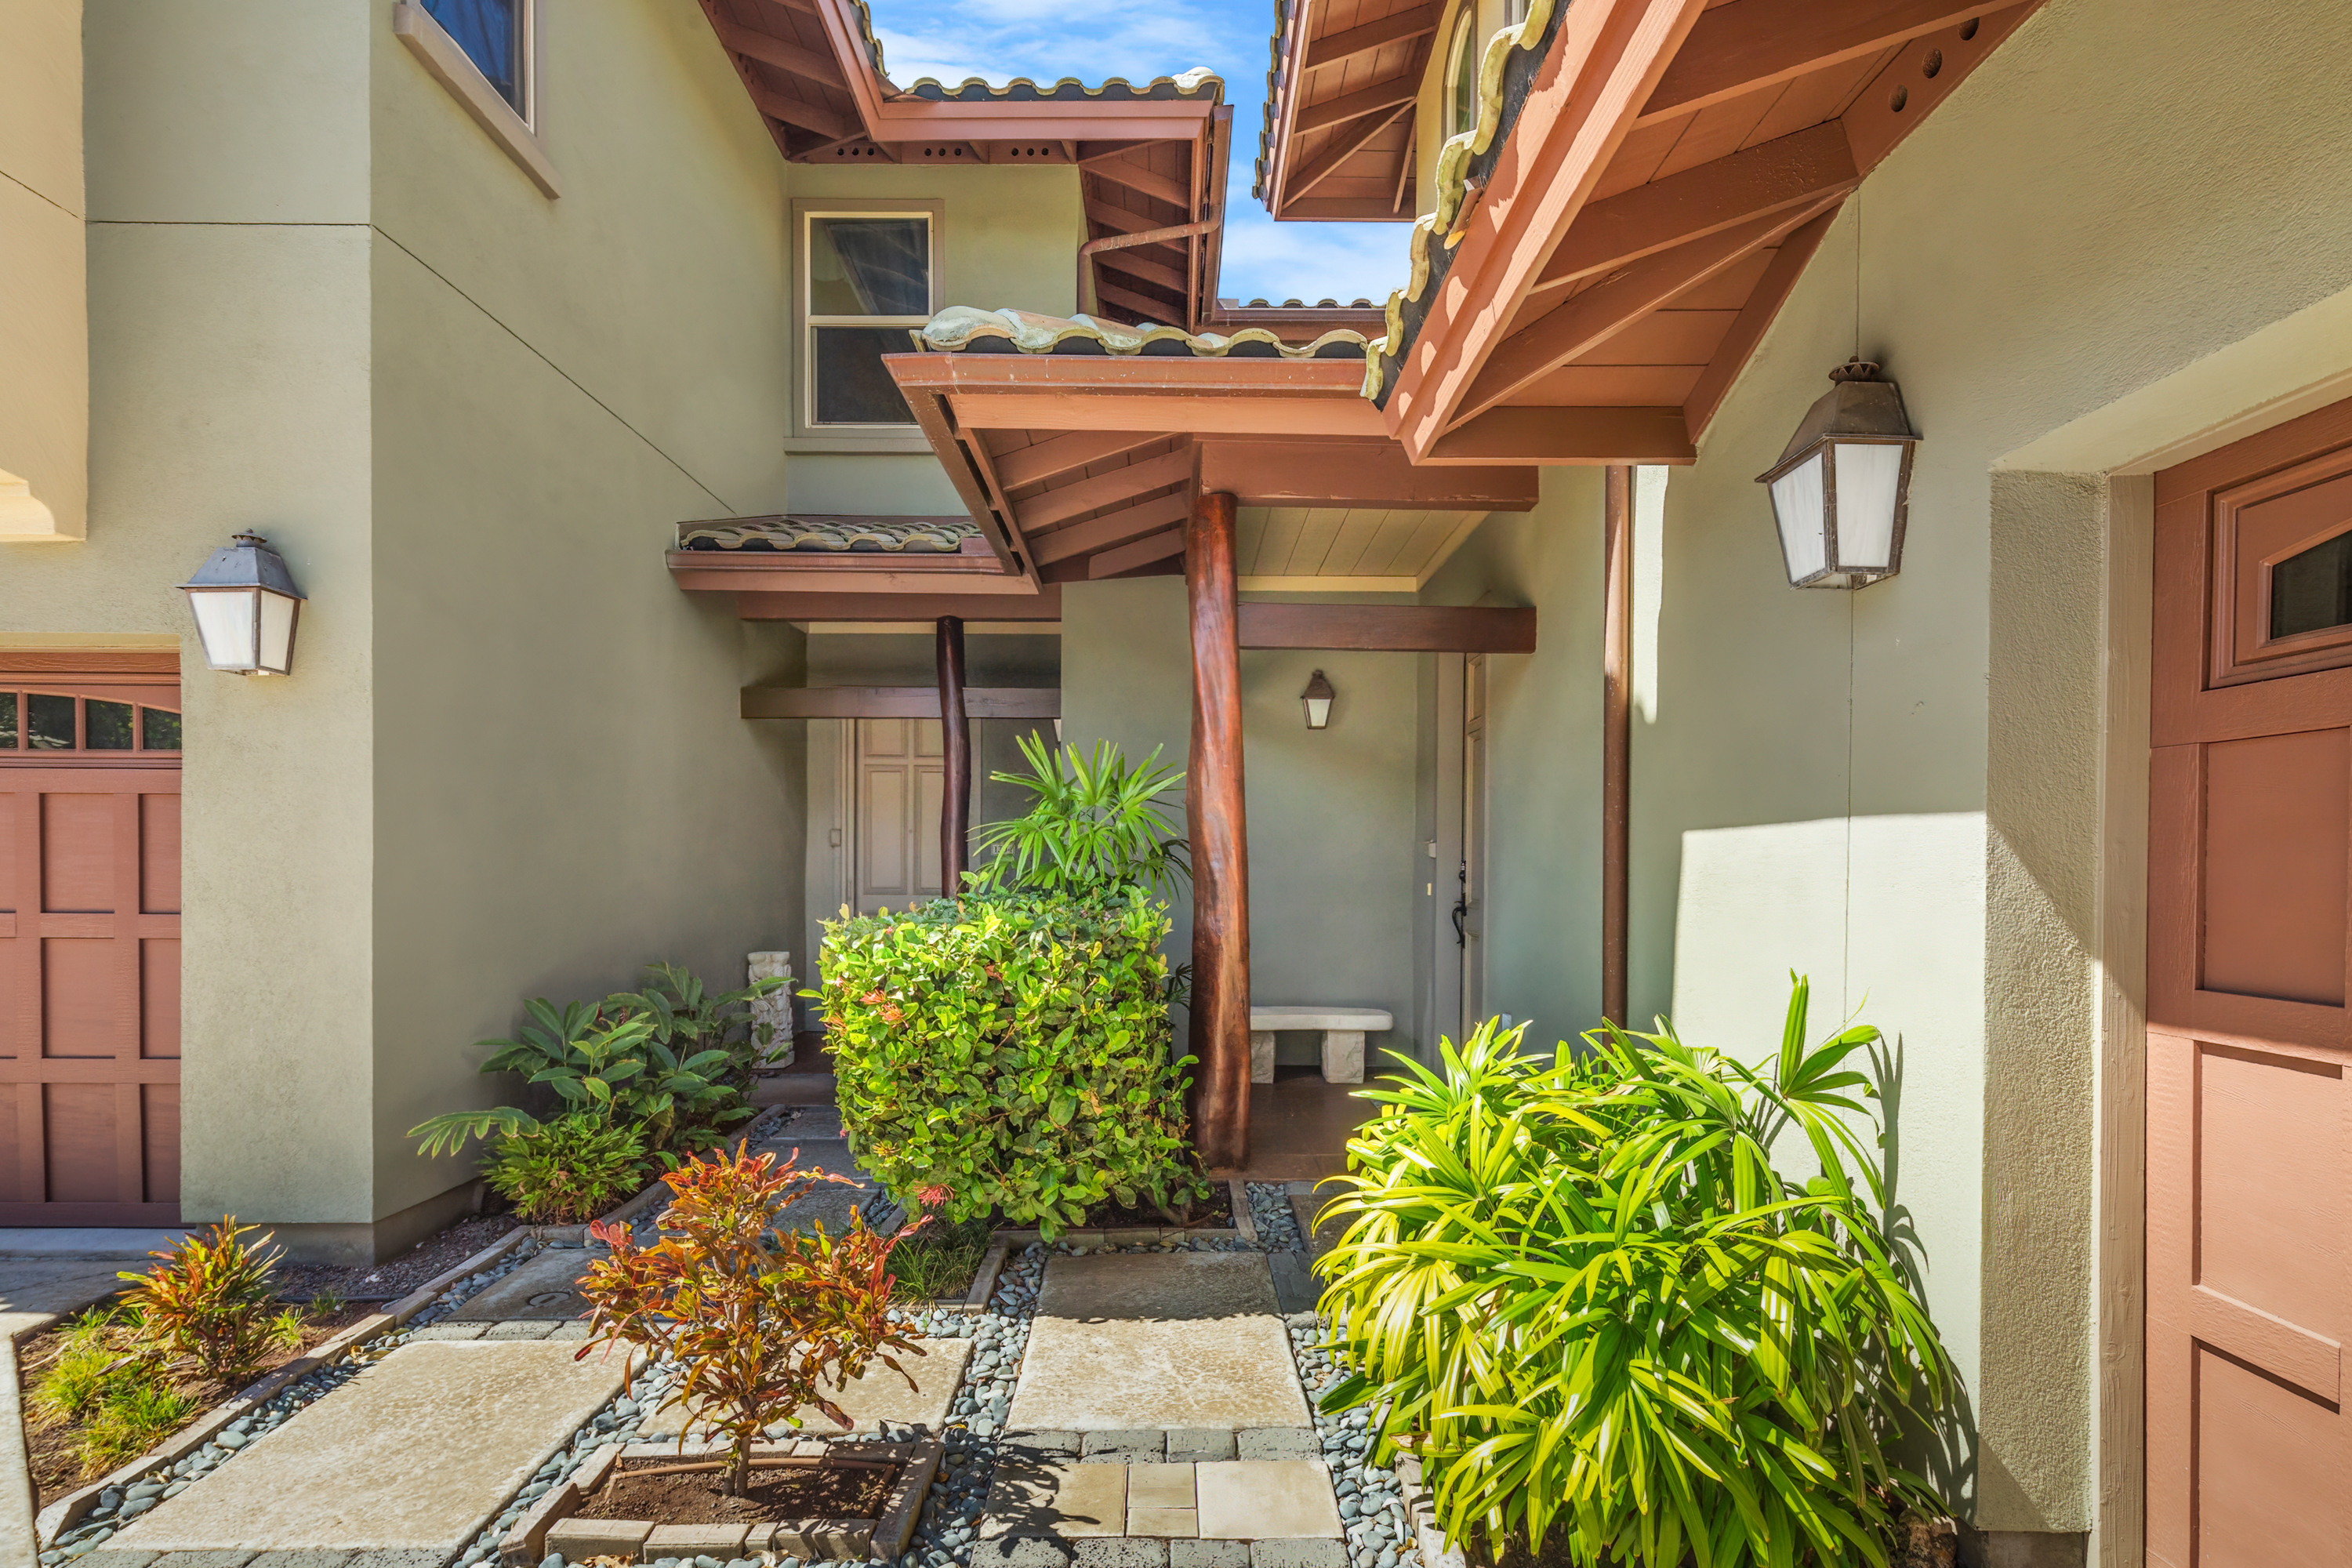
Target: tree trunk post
pixel 1213 807
pixel 955 798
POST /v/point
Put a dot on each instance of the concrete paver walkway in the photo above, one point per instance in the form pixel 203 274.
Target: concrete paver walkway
pixel 1160 1339
pixel 415 1454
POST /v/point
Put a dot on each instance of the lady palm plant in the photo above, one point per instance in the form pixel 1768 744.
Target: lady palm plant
pixel 1098 827
pixel 1581 1291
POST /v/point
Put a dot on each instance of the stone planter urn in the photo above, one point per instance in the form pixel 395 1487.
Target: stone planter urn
pixel 775 1009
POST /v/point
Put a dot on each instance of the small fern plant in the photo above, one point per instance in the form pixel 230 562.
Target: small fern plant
pixel 1098 827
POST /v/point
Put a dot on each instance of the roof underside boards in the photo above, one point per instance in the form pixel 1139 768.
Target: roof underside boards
pixel 1084 446
pixel 1337 141
pixel 1646 181
pixel 1150 154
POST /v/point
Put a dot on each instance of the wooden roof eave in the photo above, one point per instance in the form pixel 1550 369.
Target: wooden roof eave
pixel 1623 65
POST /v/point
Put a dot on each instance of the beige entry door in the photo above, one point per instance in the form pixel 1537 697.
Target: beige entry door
pixel 901 780
pixel 2250 920
pixel 89 940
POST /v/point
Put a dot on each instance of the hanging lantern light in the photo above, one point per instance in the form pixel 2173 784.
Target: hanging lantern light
pixel 1316 701
pixel 1841 490
pixel 246 603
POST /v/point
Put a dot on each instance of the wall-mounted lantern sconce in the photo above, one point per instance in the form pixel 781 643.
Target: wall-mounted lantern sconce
pixel 1842 489
pixel 245 604
pixel 1316 701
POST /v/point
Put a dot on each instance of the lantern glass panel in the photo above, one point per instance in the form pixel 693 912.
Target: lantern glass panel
pixel 1318 713
pixel 224 619
pixel 1867 475
pixel 1797 504
pixel 277 650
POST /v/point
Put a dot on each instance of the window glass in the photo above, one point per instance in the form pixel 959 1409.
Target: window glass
pixel 869 267
pixel 2312 591
pixel 7 720
pixel 159 729
pixel 853 385
pixel 490 32
pixel 1461 105
pixel 49 723
pixel 109 725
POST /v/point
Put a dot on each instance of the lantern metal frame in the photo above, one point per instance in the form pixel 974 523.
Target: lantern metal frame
pixel 1862 408
pixel 247 566
pixel 1318 689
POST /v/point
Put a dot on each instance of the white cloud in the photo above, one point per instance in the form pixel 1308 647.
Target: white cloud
pixel 952 40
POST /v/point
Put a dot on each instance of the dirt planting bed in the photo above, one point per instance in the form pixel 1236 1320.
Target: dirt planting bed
pixel 795 1492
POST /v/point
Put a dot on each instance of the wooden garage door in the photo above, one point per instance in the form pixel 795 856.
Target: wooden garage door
pixel 2249 1107
pixel 89 940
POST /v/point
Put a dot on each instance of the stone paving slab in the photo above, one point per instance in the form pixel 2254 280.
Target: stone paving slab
pixel 1064 1500
pixel 415 1454
pixel 879 1396
pixel 1067 1501
pixel 1164 1339
pixel 1267 1500
pixel 542 1286
pixel 829 1204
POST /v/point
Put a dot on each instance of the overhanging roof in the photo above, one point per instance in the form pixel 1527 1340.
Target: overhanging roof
pixel 1078 444
pixel 1646 183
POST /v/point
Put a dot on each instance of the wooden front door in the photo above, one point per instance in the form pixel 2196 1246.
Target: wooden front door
pixel 901 779
pixel 90 939
pixel 2249 1043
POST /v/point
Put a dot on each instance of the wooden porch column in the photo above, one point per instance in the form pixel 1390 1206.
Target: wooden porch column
pixel 1616 731
pixel 955 799
pixel 1212 809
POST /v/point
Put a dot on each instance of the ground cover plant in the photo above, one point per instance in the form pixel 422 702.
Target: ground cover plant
pixel 571 1169
pixel 1612 1328
pixel 1013 1051
pixel 763 1323
pixel 115 1381
pixel 942 1261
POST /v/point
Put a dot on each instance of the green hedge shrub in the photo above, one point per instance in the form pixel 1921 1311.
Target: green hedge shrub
pixel 1014 1051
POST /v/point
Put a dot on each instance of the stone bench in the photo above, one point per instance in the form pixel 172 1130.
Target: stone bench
pixel 1343 1030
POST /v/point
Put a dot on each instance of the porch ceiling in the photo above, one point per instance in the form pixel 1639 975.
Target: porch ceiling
pixel 1149 156
pixel 1646 180
pixel 1083 446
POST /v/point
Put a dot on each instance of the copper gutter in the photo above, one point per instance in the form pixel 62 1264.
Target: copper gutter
pixel 1093 248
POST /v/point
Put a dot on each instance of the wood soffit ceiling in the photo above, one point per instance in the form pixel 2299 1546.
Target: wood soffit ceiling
pixel 1646 184
pixel 1150 155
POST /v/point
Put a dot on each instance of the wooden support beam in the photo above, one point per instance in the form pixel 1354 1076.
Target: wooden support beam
pixel 1735 50
pixel 1800 170
pixel 1338 49
pixel 1219 1098
pixel 955 728
pixel 1582 323
pixel 1616 731
pixel 1125 222
pixel 1118 168
pixel 1344 146
pixel 793 112
pixel 1125 558
pixel 806 64
pixel 1388 628
pixel 1050 459
pixel 1403 87
pixel 1142 268
pixel 1111 529
pixel 914 609
pixel 896 701
pixel 1100 491
pixel 1748 328
pixel 1356 473
pixel 1567 437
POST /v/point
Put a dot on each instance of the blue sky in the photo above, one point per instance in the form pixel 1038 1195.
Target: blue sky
pixel 1139 39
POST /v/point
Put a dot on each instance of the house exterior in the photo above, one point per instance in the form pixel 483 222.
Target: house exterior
pixel 485 332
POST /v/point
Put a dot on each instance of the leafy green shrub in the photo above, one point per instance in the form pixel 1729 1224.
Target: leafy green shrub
pixel 569 1170
pixel 760 1320
pixel 1015 1052
pixel 1096 828
pixel 688 1021
pixel 1585 1287
pixel 209 1299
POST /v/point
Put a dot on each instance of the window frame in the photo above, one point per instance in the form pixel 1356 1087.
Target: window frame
pixel 517 131
pixel 1461 49
pixel 808 435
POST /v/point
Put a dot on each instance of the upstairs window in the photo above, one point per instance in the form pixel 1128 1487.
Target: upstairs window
pixel 1462 73
pixel 868 278
pixel 496 35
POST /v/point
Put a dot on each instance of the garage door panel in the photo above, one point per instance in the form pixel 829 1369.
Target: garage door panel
pixel 2272 1225
pixel 78 870
pixel 84 1132
pixel 2270 1482
pixel 160 1119
pixel 2278 839
pixel 82 997
pixel 159 854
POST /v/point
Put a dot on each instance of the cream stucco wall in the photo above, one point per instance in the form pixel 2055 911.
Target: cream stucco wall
pixel 43 307
pixel 1903 791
